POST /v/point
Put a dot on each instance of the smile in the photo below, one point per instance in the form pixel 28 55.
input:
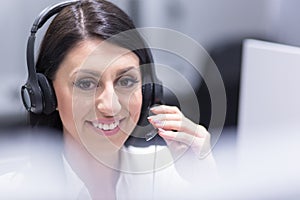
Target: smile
pixel 106 127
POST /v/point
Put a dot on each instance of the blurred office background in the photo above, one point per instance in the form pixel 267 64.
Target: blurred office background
pixel 219 26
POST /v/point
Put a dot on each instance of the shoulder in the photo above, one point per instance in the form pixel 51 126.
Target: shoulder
pixel 12 177
pixel 154 159
pixel 142 159
pixel 148 170
pixel 27 164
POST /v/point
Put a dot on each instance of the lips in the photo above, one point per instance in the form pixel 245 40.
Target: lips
pixel 106 127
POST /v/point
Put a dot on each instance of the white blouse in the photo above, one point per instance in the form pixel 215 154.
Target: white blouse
pixel 139 178
pixel 146 173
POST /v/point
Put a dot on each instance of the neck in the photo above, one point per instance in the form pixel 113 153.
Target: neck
pixel 99 178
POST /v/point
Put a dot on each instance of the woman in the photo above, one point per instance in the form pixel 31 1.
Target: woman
pixel 97 65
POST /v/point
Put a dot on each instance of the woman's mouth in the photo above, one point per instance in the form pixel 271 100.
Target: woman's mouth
pixel 106 127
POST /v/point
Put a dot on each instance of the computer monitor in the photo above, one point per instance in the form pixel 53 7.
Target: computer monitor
pixel 269 108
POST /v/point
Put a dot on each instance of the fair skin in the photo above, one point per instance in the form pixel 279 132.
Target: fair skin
pixel 98 90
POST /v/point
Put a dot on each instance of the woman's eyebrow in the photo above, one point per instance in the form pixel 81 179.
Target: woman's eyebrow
pixel 87 71
pixel 98 74
pixel 123 71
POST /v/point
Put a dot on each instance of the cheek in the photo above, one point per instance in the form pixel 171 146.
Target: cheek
pixel 71 110
pixel 64 105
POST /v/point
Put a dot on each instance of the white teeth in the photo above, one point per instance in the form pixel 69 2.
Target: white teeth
pixel 112 126
pixel 106 127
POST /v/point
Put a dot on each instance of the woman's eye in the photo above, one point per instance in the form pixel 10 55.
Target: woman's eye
pixel 86 84
pixel 127 82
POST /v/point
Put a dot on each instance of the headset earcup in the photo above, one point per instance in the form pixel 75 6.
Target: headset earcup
pixel 48 95
pixel 152 94
pixel 147 92
pixel 158 94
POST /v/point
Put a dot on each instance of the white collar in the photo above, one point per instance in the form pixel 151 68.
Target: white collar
pixel 76 189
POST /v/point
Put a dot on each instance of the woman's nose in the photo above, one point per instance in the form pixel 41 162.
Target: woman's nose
pixel 108 102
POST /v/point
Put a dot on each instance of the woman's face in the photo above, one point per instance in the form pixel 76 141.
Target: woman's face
pixel 99 96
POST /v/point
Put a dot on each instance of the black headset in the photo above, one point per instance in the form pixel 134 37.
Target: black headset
pixel 37 93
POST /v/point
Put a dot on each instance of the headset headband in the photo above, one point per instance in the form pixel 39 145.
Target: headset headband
pixel 37 24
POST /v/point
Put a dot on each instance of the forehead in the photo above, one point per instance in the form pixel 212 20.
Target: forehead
pixel 98 55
